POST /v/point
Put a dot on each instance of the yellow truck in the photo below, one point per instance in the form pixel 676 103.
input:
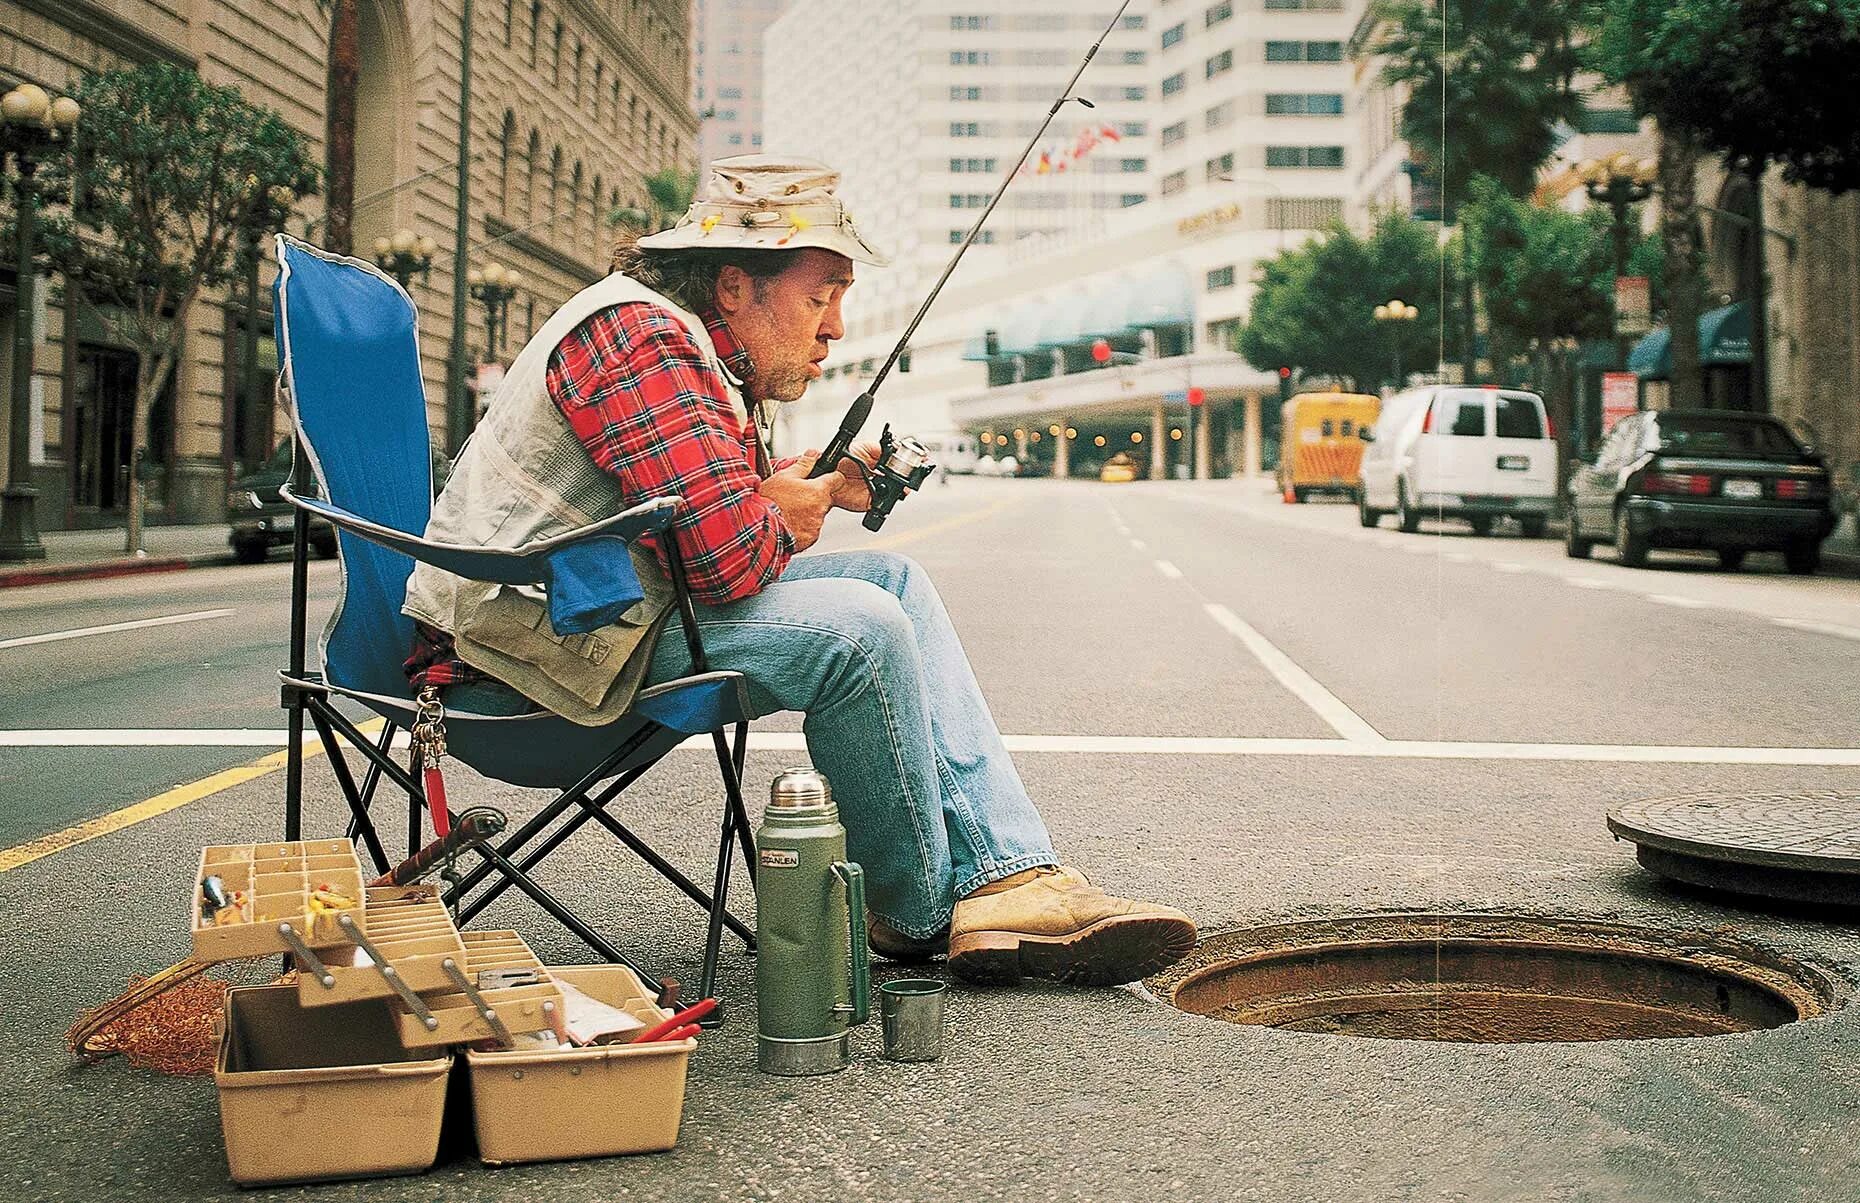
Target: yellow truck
pixel 1320 443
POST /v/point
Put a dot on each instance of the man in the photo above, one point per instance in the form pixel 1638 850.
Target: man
pixel 658 381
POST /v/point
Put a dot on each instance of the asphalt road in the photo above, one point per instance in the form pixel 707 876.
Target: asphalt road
pixel 1390 722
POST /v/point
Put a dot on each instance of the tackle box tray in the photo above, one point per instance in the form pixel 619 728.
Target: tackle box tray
pixel 457 1020
pixel 413 935
pixel 271 886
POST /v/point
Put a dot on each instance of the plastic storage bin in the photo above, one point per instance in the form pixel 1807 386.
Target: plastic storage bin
pixel 310 1093
pixel 583 1102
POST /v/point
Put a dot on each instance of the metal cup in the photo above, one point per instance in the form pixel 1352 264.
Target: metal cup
pixel 912 1010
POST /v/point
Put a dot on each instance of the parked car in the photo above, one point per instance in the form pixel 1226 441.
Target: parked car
pixel 1455 451
pixel 1716 479
pixel 261 518
pixel 1319 448
pixel 1119 469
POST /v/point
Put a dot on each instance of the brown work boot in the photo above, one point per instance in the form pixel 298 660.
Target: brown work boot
pixel 892 944
pixel 1054 924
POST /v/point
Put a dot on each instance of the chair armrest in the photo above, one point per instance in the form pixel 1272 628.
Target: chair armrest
pixel 525 565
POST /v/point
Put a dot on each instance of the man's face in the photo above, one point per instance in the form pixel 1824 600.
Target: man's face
pixel 785 322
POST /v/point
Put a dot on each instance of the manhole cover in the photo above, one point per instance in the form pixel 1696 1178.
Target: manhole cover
pixel 1802 847
pixel 1492 979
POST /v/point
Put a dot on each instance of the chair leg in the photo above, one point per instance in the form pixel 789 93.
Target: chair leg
pixel 359 822
pixel 731 767
pixel 713 938
pixel 534 857
pixel 371 780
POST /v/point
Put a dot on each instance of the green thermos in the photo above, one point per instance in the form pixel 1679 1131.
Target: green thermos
pixel 813 978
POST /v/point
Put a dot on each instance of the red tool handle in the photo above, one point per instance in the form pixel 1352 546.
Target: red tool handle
pixel 436 801
pixel 687 1017
pixel 673 1036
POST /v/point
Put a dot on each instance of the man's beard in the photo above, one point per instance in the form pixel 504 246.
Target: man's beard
pixel 789 386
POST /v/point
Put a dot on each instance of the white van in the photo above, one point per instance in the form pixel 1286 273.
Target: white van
pixel 1454 451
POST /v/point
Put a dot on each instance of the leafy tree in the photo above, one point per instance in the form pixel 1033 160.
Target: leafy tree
pixel 668 195
pixel 1489 82
pixel 1314 310
pixel 166 170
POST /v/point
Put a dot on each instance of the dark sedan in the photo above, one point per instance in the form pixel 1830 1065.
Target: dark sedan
pixel 1712 479
pixel 261 519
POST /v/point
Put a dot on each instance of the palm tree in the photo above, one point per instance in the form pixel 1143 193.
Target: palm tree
pixel 668 195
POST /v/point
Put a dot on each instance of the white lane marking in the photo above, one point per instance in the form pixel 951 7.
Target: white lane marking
pixel 1139 544
pixel 1460 557
pixel 1589 582
pixel 1169 570
pixel 111 628
pixel 1343 720
pixel 1509 566
pixel 1673 599
pixel 1818 628
pixel 1098 745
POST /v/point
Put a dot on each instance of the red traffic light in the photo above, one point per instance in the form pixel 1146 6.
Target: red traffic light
pixel 1101 350
pixel 1196 396
pixel 1285 373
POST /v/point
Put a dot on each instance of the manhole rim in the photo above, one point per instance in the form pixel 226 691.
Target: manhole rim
pixel 1800 981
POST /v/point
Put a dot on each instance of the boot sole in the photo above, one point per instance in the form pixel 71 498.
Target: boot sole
pixel 1108 953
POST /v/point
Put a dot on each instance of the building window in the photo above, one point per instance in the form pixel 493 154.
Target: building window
pixel 1304 156
pixel 973 165
pixel 986 236
pixel 1175 83
pixel 1323 52
pixel 1309 6
pixel 965 129
pixel 1133 129
pixel 755 139
pixel 1128 165
pixel 1174 34
pixel 1131 198
pixel 1304 104
pixel 959 93
pixel 968 200
pixel 1136 58
pixel 1304 52
pixel 1174 133
pixel 734 139
pixel 1225 334
pixel 1222 62
pixel 1221 277
pixel 726 114
pixel 729 93
pixel 535 29
pixel 1221 114
pixel 1608 121
pixel 970 22
pixel 1174 182
pixel 1136 93
pixel 1219 12
pixel 1303 212
pixel 1220 167
pixel 1136 22
pixel 970 58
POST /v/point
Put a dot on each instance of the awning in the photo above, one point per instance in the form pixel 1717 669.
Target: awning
pixel 1064 322
pixel 1162 296
pixel 1020 329
pixel 1724 341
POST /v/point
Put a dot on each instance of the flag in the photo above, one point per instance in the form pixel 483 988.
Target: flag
pixel 1109 133
pixel 1044 165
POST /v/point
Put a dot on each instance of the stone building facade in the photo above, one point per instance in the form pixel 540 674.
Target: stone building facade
pixel 574 103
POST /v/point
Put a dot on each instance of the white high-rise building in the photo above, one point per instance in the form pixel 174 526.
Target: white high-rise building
pixel 726 74
pixel 925 104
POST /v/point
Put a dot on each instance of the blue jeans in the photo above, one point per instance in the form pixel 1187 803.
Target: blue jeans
pixel 859 642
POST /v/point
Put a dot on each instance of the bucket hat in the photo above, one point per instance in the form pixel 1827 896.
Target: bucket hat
pixel 771 203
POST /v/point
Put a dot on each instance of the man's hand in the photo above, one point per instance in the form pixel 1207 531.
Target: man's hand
pixel 850 491
pixel 803 503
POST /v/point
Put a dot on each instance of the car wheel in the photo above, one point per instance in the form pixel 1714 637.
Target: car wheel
pixel 1406 516
pixel 1534 527
pixel 1574 545
pixel 1364 514
pixel 1630 548
pixel 1480 526
pixel 1731 558
pixel 250 551
pixel 1802 558
pixel 1299 495
pixel 324 548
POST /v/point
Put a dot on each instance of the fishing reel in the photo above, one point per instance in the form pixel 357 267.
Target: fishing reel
pixel 903 464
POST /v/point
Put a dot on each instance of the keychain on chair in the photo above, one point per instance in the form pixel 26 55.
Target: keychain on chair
pixel 429 742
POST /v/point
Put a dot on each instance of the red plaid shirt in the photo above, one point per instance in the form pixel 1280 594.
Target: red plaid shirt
pixel 640 396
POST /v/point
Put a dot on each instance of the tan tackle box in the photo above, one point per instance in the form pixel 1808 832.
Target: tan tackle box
pixel 312 1093
pixel 414 936
pixel 456 1019
pixel 553 1104
pixel 272 886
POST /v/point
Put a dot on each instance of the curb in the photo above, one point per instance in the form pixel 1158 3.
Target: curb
pixel 51 574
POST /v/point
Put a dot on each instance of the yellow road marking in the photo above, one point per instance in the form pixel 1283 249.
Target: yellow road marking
pixel 160 804
pixel 939 527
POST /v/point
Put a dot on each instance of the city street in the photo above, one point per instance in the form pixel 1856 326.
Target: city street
pixel 1255 711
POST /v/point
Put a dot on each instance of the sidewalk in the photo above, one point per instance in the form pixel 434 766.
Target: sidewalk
pixel 87 554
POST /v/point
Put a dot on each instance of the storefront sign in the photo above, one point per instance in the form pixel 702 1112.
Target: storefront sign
pixel 1212 219
pixel 1633 305
pixel 1620 397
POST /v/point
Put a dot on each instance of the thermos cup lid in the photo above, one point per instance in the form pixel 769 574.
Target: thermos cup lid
pixel 800 789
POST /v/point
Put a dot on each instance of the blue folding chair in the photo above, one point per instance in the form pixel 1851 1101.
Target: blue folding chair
pixel 350 371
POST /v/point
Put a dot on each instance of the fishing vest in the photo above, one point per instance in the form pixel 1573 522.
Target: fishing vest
pixel 522 476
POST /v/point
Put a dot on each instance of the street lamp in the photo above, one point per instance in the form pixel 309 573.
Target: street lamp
pixel 32 125
pixel 1397 311
pixel 1618 181
pixel 404 256
pixel 494 286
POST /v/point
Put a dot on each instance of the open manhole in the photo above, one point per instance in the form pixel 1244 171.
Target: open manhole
pixel 1493 979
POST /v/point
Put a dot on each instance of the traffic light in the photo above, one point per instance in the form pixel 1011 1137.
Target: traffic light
pixel 1197 395
pixel 1101 351
pixel 1285 384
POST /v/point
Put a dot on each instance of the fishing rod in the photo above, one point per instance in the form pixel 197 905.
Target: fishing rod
pixel 905 464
